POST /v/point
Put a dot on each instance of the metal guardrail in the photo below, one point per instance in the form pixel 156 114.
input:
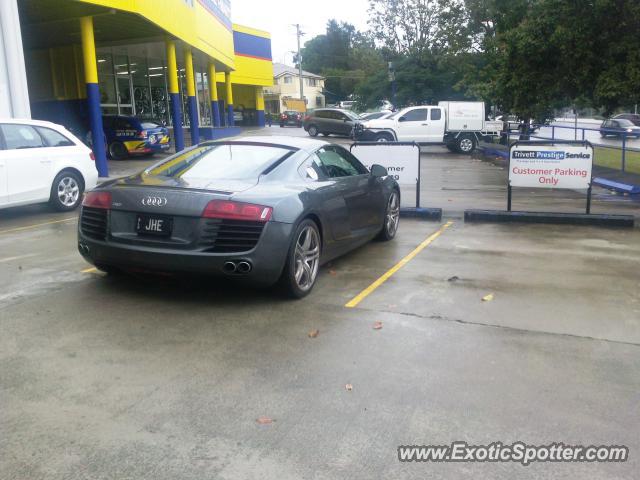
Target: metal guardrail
pixel 624 148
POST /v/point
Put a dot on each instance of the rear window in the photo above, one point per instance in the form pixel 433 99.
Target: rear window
pixel 220 162
pixel 53 138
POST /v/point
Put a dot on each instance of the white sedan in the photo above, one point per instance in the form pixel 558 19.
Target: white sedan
pixel 43 162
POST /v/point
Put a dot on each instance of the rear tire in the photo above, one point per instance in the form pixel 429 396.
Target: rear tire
pixel 466 144
pixel 313 131
pixel 118 151
pixel 303 260
pixel 66 191
pixel 391 218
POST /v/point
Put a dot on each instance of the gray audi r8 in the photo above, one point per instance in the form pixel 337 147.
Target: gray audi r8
pixel 263 209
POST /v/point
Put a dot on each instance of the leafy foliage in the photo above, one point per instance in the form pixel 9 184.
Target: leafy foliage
pixel 527 57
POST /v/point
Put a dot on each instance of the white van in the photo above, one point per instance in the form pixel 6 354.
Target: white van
pixel 43 162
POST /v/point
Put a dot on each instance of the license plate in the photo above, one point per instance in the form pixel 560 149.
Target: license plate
pixel 154 225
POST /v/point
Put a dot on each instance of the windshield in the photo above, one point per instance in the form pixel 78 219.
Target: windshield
pixel 396 114
pixel 220 162
pixel 623 122
pixel 351 115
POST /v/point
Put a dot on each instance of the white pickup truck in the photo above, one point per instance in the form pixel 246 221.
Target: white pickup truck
pixel 458 125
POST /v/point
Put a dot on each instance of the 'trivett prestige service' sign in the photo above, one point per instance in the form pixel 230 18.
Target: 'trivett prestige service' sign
pixel 551 166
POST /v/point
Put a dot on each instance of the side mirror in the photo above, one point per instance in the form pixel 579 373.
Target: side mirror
pixel 378 170
pixel 402 119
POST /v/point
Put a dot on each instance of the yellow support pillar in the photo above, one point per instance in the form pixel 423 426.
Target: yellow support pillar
pixel 93 95
pixel 213 93
pixel 192 97
pixel 260 105
pixel 227 81
pixel 174 95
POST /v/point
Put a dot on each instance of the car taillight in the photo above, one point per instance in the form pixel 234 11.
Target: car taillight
pixel 142 134
pixel 97 200
pixel 283 116
pixel 306 119
pixel 237 211
pixel 92 156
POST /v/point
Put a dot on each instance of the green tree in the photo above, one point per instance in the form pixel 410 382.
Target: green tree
pixel 344 56
pixel 542 54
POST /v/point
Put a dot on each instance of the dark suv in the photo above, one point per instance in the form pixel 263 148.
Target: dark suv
pixel 329 121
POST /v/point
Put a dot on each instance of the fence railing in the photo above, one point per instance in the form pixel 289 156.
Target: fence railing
pixel 623 157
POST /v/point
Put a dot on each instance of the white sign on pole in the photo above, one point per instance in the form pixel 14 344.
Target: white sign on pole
pixel 550 166
pixel 402 161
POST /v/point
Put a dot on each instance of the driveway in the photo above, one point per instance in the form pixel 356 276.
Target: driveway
pixel 453 331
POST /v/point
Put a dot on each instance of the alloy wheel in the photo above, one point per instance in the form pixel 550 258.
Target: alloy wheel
pixel 307 258
pixel 466 145
pixel 68 191
pixel 393 214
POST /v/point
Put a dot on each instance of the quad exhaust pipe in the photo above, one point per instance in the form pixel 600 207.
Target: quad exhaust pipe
pixel 229 267
pixel 243 268
pixel 240 268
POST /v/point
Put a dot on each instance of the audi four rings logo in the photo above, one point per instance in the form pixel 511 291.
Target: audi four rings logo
pixel 154 201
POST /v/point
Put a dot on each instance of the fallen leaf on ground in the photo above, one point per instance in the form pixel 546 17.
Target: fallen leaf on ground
pixel 455 278
pixel 349 387
pixel 377 325
pixel 487 298
pixel 332 272
pixel 314 333
pixel 264 421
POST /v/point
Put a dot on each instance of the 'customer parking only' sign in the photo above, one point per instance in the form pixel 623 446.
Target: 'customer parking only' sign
pixel 550 166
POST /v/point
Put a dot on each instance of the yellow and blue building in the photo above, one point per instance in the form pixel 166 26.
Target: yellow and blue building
pixel 179 62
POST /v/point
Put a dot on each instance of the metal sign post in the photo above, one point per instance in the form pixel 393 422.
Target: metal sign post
pixel 557 164
pixel 402 161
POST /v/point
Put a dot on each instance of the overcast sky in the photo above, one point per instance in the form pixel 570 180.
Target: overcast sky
pixel 277 16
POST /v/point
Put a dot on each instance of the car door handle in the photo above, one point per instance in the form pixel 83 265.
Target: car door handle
pixel 45 161
pixel 425 124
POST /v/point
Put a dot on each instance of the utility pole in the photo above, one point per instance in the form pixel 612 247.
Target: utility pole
pixel 392 79
pixel 298 35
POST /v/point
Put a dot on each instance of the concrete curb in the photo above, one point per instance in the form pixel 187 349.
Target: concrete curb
pixel 432 214
pixel 503 216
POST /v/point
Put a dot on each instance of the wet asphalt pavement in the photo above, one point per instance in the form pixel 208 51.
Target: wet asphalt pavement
pixel 111 378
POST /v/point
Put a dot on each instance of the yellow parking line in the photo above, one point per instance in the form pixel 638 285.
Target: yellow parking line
pixel 28 227
pixel 367 291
